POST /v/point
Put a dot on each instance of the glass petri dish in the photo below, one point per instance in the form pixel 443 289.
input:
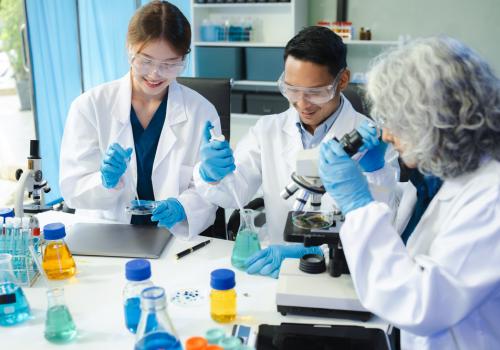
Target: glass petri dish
pixel 312 219
pixel 141 207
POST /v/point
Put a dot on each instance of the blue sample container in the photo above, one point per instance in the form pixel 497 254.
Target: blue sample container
pixel 138 274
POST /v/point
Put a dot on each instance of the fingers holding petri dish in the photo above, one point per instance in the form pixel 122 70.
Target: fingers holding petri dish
pixel 141 207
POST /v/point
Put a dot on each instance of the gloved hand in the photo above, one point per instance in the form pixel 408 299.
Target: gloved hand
pixel 373 159
pixel 216 157
pixel 114 165
pixel 168 213
pixel 268 261
pixel 342 178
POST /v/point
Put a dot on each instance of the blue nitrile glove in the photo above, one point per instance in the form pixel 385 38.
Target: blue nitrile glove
pixel 268 261
pixel 342 178
pixel 114 165
pixel 168 213
pixel 374 158
pixel 216 157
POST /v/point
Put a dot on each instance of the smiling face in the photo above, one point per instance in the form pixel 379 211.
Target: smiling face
pixel 149 75
pixel 306 74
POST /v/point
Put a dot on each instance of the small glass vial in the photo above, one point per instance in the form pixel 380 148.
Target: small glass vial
pixel 57 261
pixel 230 343
pixel 138 274
pixel 222 296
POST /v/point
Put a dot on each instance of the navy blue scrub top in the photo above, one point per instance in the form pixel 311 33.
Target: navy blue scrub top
pixel 427 187
pixel 146 143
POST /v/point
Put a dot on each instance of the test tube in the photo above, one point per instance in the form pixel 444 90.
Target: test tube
pixel 2 237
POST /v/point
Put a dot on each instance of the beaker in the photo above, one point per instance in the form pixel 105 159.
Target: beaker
pixel 155 330
pixel 14 307
pixel 59 325
pixel 247 239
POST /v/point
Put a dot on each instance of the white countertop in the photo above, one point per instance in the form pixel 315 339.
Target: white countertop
pixel 94 297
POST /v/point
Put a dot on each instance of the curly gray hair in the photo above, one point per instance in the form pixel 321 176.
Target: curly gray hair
pixel 442 100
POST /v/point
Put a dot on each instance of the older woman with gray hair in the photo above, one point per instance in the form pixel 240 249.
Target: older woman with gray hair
pixel 438 103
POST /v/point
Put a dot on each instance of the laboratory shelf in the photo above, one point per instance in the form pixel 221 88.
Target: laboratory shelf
pixel 255 82
pixel 244 4
pixel 370 42
pixel 237 44
pixel 246 116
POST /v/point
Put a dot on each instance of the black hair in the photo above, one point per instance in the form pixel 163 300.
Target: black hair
pixel 318 45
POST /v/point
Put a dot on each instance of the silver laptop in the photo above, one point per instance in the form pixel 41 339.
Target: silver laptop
pixel 117 240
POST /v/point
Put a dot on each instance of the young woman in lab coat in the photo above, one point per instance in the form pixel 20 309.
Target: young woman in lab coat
pixel 439 105
pixel 141 133
pixel 313 80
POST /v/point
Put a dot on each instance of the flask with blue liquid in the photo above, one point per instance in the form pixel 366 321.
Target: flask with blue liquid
pixel 14 307
pixel 155 330
pixel 138 274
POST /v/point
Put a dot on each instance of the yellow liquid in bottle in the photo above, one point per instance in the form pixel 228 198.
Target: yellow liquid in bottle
pixel 58 262
pixel 223 305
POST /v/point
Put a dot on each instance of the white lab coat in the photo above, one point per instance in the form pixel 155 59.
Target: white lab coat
pixel 100 117
pixel 266 157
pixel 443 288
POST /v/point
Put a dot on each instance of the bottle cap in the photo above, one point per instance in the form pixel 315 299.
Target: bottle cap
pixel 137 270
pixel 222 279
pixel 6 212
pixel 196 343
pixel 230 343
pixel 215 335
pixel 54 231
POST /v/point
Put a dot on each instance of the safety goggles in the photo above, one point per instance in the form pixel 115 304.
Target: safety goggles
pixel 316 96
pixel 144 66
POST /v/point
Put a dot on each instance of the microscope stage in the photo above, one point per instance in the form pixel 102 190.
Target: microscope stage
pixel 317 294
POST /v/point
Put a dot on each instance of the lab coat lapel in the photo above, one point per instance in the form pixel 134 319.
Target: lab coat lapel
pixel 292 141
pixel 121 129
pixel 176 114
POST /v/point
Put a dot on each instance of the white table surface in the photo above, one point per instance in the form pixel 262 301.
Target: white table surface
pixel 94 297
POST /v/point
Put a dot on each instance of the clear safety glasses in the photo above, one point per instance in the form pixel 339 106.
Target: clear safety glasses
pixel 317 95
pixel 144 66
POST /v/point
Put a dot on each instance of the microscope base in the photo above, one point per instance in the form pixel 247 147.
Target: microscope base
pixel 318 295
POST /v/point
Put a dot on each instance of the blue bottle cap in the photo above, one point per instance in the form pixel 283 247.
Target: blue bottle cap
pixel 54 231
pixel 6 213
pixel 222 279
pixel 138 270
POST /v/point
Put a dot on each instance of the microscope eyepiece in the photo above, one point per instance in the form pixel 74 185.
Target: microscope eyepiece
pixel 34 149
pixel 351 142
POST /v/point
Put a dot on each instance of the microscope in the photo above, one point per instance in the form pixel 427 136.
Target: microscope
pixel 32 181
pixel 307 286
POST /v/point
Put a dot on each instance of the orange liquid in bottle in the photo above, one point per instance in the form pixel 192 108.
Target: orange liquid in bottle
pixel 58 262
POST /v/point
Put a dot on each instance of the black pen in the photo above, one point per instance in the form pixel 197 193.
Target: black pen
pixel 192 249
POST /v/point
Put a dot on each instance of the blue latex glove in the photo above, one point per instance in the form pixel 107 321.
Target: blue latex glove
pixel 114 165
pixel 374 158
pixel 268 261
pixel 216 157
pixel 342 178
pixel 168 213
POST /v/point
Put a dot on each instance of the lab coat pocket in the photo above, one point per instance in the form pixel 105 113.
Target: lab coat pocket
pixel 185 177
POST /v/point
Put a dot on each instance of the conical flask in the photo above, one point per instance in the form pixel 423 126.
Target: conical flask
pixel 155 330
pixel 247 240
pixel 14 307
pixel 59 325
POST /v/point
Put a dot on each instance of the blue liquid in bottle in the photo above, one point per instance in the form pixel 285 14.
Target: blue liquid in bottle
pixel 132 313
pixel 158 340
pixel 14 307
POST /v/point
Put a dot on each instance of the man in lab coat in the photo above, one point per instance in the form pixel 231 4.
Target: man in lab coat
pixel 315 75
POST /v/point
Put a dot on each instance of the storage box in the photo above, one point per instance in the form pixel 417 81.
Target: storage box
pixel 269 103
pixel 237 102
pixel 264 63
pixel 219 62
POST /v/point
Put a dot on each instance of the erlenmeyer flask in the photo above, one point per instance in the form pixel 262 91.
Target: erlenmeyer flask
pixel 59 325
pixel 155 330
pixel 247 240
pixel 14 307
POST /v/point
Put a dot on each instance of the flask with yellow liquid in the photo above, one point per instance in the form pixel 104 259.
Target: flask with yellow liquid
pixel 222 296
pixel 57 262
